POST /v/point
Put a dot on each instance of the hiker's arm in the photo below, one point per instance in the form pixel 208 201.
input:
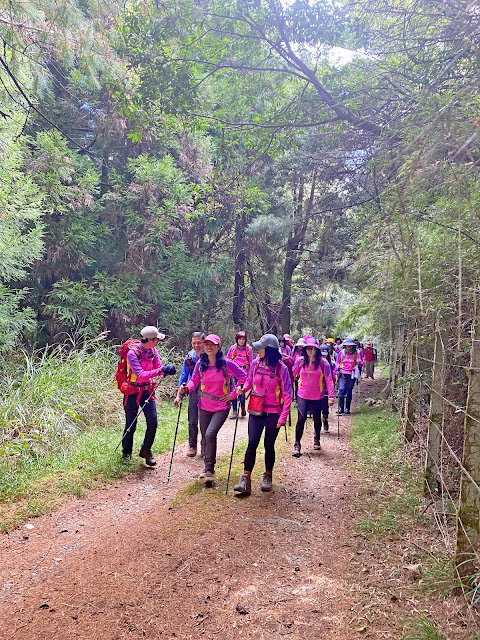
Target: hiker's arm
pixel 136 369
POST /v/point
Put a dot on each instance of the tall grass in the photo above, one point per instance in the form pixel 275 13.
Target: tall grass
pixel 48 397
pixel 61 417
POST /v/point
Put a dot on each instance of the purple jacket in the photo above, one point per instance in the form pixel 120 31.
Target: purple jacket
pixel 145 369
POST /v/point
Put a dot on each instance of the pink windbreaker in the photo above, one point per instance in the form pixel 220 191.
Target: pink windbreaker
pixel 243 356
pixel 314 382
pixel 214 383
pixel 278 395
pixel 146 368
pixel 346 362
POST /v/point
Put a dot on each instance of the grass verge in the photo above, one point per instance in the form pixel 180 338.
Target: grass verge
pixel 33 485
pixel 386 476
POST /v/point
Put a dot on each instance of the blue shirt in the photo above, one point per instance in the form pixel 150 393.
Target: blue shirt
pixel 185 374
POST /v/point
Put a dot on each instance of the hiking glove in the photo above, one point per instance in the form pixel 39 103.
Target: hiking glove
pixel 169 370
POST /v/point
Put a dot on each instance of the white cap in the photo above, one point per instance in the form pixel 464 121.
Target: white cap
pixel 148 333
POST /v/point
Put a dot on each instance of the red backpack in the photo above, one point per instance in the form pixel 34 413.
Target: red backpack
pixel 121 375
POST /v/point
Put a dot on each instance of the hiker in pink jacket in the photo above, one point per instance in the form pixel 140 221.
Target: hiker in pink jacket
pixel 269 406
pixel 314 383
pixel 143 366
pixel 214 374
pixel 346 367
pixel 242 354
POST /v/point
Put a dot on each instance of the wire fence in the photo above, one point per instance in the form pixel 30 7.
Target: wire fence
pixel 434 381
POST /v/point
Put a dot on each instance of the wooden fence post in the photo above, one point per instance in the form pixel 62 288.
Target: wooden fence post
pixel 469 502
pixel 435 415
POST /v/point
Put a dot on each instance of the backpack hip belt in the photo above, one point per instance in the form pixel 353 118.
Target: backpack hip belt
pixel 211 397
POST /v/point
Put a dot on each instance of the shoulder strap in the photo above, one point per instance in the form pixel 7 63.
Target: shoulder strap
pixel 278 368
pixel 136 350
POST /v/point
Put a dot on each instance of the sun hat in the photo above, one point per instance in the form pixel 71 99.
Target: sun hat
pixel 149 333
pixel 310 341
pixel 213 338
pixel 348 342
pixel 300 342
pixel 267 340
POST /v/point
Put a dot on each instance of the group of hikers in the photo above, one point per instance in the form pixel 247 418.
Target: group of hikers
pixel 282 372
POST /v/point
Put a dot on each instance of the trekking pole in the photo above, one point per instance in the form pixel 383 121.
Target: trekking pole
pixel 127 431
pixel 289 424
pixel 338 415
pixel 231 455
pixel 174 440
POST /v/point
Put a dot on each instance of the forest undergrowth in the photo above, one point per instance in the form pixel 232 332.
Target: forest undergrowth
pixel 61 419
pixel 394 519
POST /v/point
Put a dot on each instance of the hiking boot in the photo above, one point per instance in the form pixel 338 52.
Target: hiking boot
pixel 296 453
pixel 209 478
pixel 148 457
pixel 266 482
pixel 316 443
pixel 244 412
pixel 325 423
pixel 244 486
pixel 126 458
pixel 192 452
pixel 234 415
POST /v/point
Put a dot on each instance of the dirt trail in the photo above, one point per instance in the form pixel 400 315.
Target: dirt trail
pixel 123 563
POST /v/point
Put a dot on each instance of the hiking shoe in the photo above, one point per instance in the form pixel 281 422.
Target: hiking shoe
pixel 148 457
pixel 192 452
pixel 244 486
pixel 244 412
pixel 339 411
pixel 266 482
pixel 126 458
pixel 347 412
pixel 296 453
pixel 209 478
pixel 234 415
pixel 316 443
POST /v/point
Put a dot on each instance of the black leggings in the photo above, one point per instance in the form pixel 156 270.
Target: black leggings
pixel 315 407
pixel 256 424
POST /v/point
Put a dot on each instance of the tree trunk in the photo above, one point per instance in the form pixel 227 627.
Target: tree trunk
pixel 288 270
pixel 294 246
pixel 469 502
pixel 435 415
pixel 255 295
pixel 238 313
pixel 396 366
pixel 409 405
